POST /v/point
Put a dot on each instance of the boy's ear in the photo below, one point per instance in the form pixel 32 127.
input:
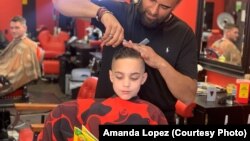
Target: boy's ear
pixel 111 75
pixel 144 77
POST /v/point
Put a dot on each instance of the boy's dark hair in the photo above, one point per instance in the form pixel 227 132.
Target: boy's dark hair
pixel 125 52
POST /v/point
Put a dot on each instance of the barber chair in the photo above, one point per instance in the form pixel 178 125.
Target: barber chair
pixel 215 35
pixel 3 41
pixel 183 111
pixel 88 88
pixel 54 47
pixel 211 53
pixel 75 80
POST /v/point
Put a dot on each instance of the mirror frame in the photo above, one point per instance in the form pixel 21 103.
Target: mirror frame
pixel 216 66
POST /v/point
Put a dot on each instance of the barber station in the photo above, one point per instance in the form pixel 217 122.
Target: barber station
pixel 50 55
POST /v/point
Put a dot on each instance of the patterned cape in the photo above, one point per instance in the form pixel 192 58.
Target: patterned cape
pixel 19 62
pixel 91 113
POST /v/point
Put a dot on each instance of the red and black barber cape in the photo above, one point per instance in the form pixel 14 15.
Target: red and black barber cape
pixel 92 112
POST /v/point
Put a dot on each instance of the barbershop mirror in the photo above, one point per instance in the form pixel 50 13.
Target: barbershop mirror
pixel 223 35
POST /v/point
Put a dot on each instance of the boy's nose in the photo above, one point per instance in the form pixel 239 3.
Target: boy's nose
pixel 126 82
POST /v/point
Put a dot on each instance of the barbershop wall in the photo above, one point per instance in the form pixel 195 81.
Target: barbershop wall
pixel 218 8
pixel 187 13
pixel 45 14
pixel 219 79
pixel 8 8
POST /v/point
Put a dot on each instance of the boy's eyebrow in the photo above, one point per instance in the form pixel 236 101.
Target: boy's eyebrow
pixel 118 72
pixel 135 73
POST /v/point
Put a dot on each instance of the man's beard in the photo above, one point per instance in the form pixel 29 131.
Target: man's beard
pixel 145 21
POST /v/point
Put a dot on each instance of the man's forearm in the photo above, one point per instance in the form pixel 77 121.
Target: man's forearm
pixel 76 8
pixel 181 86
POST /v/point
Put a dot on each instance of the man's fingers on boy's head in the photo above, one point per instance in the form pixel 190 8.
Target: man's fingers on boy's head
pixel 107 33
pixel 136 47
pixel 126 44
pixel 119 40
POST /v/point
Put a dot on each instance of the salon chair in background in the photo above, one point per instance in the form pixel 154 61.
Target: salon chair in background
pixel 183 112
pixel 3 41
pixel 215 35
pixel 54 46
pixel 211 54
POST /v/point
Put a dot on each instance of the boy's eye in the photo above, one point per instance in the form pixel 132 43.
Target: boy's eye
pixel 135 77
pixel 119 77
pixel 132 78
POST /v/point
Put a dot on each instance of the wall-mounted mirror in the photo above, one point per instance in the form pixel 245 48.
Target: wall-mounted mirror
pixel 223 34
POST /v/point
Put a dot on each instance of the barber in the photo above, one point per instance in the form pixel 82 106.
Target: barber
pixel 171 55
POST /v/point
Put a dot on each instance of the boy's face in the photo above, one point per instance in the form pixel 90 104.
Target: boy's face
pixel 127 76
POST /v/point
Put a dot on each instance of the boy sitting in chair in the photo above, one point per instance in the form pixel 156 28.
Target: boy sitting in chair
pixel 124 107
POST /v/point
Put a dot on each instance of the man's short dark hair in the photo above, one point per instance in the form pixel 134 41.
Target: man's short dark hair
pixel 20 19
pixel 230 26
